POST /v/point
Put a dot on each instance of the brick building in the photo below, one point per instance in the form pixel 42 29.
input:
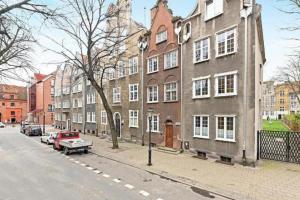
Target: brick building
pixel 41 99
pixel 13 103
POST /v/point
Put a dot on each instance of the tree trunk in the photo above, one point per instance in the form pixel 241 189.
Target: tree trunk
pixel 109 115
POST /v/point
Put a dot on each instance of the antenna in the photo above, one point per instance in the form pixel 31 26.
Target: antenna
pixel 145 16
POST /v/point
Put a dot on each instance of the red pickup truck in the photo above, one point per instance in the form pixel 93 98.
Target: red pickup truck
pixel 70 142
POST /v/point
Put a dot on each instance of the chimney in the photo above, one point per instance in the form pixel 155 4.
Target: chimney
pixel 153 12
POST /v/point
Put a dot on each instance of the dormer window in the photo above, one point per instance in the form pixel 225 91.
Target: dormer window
pixel 213 8
pixel 161 36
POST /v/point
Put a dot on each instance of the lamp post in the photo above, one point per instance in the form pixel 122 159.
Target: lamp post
pixel 142 46
pixel 150 111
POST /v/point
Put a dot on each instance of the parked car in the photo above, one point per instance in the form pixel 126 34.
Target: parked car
pixel 48 137
pixel 2 125
pixel 33 130
pixel 71 142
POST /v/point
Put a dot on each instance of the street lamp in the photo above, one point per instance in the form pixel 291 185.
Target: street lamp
pixel 142 44
pixel 150 112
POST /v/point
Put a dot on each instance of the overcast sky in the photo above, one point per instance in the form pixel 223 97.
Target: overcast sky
pixel 276 44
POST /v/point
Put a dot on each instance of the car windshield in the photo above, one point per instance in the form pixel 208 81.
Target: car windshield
pixel 67 135
pixel 35 127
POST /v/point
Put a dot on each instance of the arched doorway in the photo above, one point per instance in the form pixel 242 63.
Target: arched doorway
pixel 117 118
pixel 169 134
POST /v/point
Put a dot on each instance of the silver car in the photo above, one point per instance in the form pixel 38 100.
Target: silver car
pixel 48 137
pixel 2 125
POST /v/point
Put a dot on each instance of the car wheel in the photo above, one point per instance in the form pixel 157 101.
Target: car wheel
pixel 66 150
pixel 86 151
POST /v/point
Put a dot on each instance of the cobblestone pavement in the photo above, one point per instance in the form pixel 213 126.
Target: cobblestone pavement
pixel 269 181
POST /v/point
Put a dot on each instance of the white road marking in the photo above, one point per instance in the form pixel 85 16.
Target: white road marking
pixel 90 168
pixel 144 193
pixel 159 199
pixel 106 175
pixel 97 171
pixel 71 159
pixel 117 180
pixel 82 164
pixel 129 186
pixel 77 162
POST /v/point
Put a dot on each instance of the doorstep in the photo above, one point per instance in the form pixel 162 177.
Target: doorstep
pixel 168 150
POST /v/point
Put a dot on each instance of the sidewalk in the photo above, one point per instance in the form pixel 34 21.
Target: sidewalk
pixel 272 180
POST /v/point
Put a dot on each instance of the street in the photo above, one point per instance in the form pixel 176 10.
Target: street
pixel 32 170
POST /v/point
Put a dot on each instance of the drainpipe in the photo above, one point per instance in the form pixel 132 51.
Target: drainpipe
pixel 245 13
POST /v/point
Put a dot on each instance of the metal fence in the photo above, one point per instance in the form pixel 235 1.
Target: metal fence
pixel 279 145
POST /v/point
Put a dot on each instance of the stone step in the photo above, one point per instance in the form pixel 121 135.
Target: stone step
pixel 168 150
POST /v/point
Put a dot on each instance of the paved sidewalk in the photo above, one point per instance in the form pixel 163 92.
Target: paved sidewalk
pixel 270 181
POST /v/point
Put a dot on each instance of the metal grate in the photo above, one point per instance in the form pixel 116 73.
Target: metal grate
pixel 280 146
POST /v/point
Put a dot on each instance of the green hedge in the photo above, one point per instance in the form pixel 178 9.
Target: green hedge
pixel 292 121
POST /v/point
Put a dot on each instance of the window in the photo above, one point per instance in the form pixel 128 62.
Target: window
pixel 13 113
pixel 66 104
pixel 117 95
pixel 226 42
pixel 3 104
pixel 79 101
pixel 171 60
pixel 75 116
pixel 281 109
pixel 171 91
pixel 79 118
pixel 226 84
pixel 225 128
pixel 103 117
pixel 154 123
pixel 201 50
pixel 152 94
pixel 281 93
pixel 133 65
pixel 201 87
pixel 133 118
pixel 88 98
pixel 93 98
pixel 121 69
pixel 88 82
pixel 281 101
pixel 201 126
pixel 111 73
pixel 213 8
pixel 133 92
pixel 93 120
pixel 161 36
pixel 79 87
pixel 12 97
pixel 75 103
pixel 153 65
pixel 88 117
pixel 12 104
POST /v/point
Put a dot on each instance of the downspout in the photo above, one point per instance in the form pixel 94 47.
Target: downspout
pixel 61 98
pixel 142 89
pixel 245 13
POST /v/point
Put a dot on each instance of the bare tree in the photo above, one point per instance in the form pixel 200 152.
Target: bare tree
pixel 291 74
pixel 97 30
pixel 16 36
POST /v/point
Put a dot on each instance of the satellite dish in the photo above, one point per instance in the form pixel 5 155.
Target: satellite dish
pixel 178 30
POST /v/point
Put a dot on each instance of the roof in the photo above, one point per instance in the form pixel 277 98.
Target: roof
pixel 39 77
pixel 21 92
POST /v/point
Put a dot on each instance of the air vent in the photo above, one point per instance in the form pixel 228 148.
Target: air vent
pixel 201 155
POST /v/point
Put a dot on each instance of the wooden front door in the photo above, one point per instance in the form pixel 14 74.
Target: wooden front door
pixel 169 135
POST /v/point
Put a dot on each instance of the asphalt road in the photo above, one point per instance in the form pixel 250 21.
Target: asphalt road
pixel 30 170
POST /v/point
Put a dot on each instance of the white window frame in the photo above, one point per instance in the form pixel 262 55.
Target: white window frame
pixel 165 59
pixel 148 94
pixel 93 120
pixel 93 98
pixel 75 117
pixel 208 87
pixel 225 31
pixel 225 128
pixel 79 118
pixel 133 64
pixel 121 70
pixel 201 126
pixel 148 64
pixel 79 101
pixel 165 91
pixel 103 117
pixel 88 117
pixel 133 119
pixel 133 92
pixel 214 5
pixel 161 36
pixel 201 40
pixel 117 95
pixel 88 99
pixel 152 130
pixel 234 93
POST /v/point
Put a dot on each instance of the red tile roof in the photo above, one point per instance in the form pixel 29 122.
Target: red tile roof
pixel 39 77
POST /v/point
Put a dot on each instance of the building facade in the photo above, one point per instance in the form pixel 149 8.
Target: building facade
pixel 268 100
pixel 13 103
pixel 162 79
pixel 41 99
pixel 222 77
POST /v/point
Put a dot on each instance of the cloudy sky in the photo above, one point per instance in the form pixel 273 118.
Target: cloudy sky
pixel 278 47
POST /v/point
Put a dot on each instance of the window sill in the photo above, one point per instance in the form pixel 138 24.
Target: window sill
pixel 225 140
pixel 208 19
pixel 175 101
pixel 133 127
pixel 147 131
pixel 133 74
pixel 201 97
pixel 152 72
pixel 165 69
pixel 133 101
pixel 225 95
pixel 160 42
pixel 226 54
pixel 154 102
pixel 200 137
pixel 201 61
